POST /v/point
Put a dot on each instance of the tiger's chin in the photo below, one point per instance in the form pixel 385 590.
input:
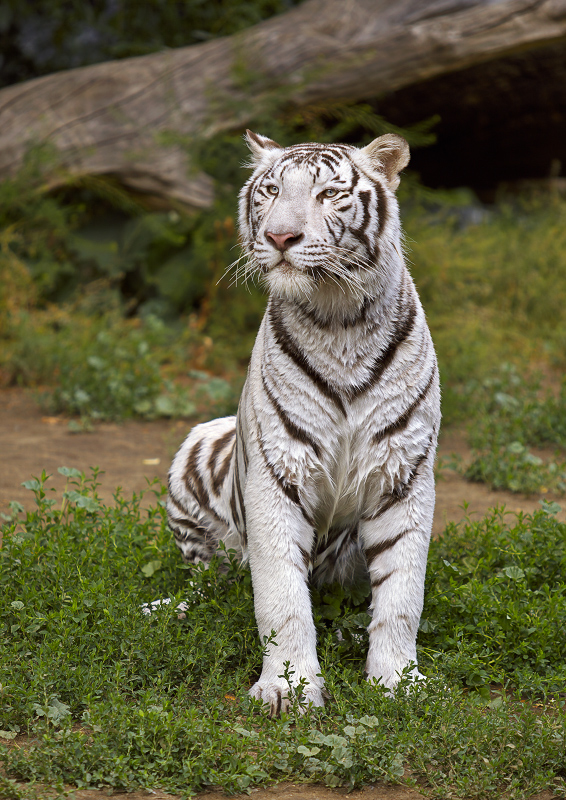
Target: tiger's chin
pixel 289 282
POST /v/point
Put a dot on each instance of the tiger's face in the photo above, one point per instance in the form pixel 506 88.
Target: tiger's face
pixel 313 217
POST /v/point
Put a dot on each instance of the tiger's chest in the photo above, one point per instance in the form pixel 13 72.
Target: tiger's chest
pixel 327 417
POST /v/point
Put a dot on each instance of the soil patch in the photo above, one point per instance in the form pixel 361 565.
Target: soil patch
pixel 131 454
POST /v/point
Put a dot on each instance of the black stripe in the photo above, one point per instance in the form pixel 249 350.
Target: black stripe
pixel 178 505
pixel 197 547
pixel 328 160
pixel 249 193
pixel 194 483
pixel 240 495
pixel 404 328
pixel 218 478
pixel 235 516
pixel 289 347
pixel 328 322
pixel 306 556
pixel 350 537
pixel 238 511
pixel 293 430
pixel 365 197
pixel 312 316
pixel 193 553
pixel 342 225
pixel 382 208
pixel 217 448
pixel 289 489
pixel 378 581
pixel 401 422
pixel 331 231
pixel 355 179
pixel 192 477
pixel 185 522
pixel 400 492
pixel 241 441
pixel 379 548
pixel 361 316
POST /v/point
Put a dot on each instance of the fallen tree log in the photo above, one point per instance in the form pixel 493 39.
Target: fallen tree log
pixel 134 119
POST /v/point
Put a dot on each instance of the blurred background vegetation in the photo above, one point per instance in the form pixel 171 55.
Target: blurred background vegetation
pixel 111 308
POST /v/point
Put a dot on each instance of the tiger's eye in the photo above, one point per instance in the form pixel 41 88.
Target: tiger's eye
pixel 330 192
pixel 272 189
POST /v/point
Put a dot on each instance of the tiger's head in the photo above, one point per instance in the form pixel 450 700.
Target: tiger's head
pixel 321 220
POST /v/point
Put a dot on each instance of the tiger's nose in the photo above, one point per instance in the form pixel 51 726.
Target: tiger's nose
pixel 283 241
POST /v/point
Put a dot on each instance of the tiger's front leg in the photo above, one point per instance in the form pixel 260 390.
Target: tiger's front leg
pixel 279 544
pixel 395 540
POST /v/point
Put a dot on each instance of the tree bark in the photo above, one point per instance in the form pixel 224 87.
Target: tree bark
pixel 135 119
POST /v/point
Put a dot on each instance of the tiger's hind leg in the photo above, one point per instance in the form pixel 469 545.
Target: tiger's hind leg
pixel 338 557
pixel 200 481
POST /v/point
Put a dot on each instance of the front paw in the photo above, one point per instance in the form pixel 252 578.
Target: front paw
pixel 278 697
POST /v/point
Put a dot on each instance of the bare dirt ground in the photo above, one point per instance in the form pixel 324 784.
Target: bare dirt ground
pixel 133 453
pixel 283 791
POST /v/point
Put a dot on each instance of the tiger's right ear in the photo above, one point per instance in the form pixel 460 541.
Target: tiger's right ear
pixel 388 154
pixel 264 151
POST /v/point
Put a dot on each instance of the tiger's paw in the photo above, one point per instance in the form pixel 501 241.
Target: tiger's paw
pixel 278 697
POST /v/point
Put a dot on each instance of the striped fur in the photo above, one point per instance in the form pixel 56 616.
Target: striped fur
pixel 327 469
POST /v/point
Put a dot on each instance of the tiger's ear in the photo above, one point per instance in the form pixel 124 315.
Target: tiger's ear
pixel 388 154
pixel 263 150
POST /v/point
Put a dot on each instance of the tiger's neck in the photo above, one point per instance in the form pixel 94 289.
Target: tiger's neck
pixel 334 306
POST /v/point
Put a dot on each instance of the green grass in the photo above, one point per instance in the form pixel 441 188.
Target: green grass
pixel 493 292
pixel 113 698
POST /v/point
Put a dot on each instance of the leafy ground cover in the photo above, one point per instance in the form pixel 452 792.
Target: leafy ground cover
pixel 115 698
pixel 513 415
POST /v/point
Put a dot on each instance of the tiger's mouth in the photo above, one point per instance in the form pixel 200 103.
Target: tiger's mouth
pixel 285 266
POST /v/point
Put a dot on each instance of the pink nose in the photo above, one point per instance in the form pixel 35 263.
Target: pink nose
pixel 283 241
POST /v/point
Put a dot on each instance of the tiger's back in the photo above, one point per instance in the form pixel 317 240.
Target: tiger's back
pixel 327 468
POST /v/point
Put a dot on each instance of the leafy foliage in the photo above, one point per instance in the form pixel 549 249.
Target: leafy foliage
pixel 513 414
pixel 161 700
pixel 496 597
pixel 110 368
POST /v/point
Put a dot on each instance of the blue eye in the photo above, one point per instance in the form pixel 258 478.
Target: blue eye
pixel 272 189
pixel 330 192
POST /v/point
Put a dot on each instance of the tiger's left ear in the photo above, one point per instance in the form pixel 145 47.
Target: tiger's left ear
pixel 263 150
pixel 388 154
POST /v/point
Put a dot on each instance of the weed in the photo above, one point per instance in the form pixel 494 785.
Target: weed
pixel 115 698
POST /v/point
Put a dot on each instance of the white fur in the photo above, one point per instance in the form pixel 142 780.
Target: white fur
pixel 332 451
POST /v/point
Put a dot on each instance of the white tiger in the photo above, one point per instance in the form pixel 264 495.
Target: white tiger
pixel 327 468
